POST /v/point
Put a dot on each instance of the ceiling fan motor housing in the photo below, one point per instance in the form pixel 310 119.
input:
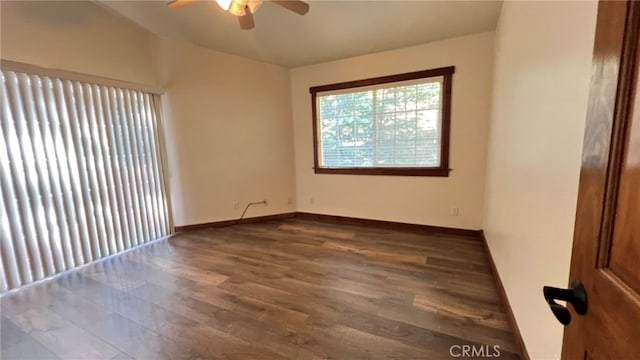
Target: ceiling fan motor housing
pixel 237 7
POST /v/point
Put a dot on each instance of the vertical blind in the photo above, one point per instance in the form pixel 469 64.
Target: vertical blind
pixel 80 173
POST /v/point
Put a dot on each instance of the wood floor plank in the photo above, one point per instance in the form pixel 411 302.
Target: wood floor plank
pixel 27 348
pixel 452 326
pixel 486 315
pixel 10 334
pixel 284 289
pixel 376 253
pixel 212 342
pixel 61 336
pixel 134 340
pixel 324 232
pixel 176 302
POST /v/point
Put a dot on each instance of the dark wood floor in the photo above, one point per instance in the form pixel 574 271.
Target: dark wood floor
pixel 290 289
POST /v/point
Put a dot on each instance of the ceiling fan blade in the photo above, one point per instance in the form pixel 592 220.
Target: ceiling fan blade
pixel 246 20
pixel 174 4
pixel 297 6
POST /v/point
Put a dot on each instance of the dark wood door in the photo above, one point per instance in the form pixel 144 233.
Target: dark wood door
pixel 606 248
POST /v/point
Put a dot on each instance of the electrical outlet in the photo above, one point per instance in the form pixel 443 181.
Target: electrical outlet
pixel 266 203
pixel 236 206
pixel 312 200
pixel 289 200
pixel 455 211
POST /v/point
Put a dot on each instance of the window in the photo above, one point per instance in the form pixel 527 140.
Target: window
pixel 391 125
pixel 80 174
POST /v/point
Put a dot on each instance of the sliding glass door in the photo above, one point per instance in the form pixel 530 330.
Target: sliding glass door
pixel 80 174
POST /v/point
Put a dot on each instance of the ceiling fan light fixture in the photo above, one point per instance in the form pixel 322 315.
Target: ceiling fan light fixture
pixel 224 4
pixel 237 7
pixel 244 9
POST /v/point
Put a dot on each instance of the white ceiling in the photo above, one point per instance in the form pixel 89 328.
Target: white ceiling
pixel 331 30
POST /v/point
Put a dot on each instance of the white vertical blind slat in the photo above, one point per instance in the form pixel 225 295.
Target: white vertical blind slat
pixel 134 182
pixel 68 167
pixel 96 209
pixel 98 151
pixel 29 142
pixel 3 278
pixel 118 172
pixel 49 230
pixel 81 177
pixel 96 174
pixel 151 196
pixel 23 174
pixel 158 163
pixel 139 160
pixel 56 156
pixel 12 273
pixel 108 169
pixel 125 166
pixel 145 104
pixel 80 174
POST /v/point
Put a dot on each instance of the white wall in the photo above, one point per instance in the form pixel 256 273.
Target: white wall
pixel 75 36
pixel 229 134
pixel 419 200
pixel 227 121
pixel 542 71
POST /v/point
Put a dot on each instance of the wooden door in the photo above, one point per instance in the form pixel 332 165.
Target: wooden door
pixel 606 249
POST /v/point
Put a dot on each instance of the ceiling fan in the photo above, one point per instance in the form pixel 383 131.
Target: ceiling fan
pixel 244 9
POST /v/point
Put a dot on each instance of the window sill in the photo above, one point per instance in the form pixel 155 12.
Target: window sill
pixel 435 172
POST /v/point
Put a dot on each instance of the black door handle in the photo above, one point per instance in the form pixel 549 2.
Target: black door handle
pixel 576 295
